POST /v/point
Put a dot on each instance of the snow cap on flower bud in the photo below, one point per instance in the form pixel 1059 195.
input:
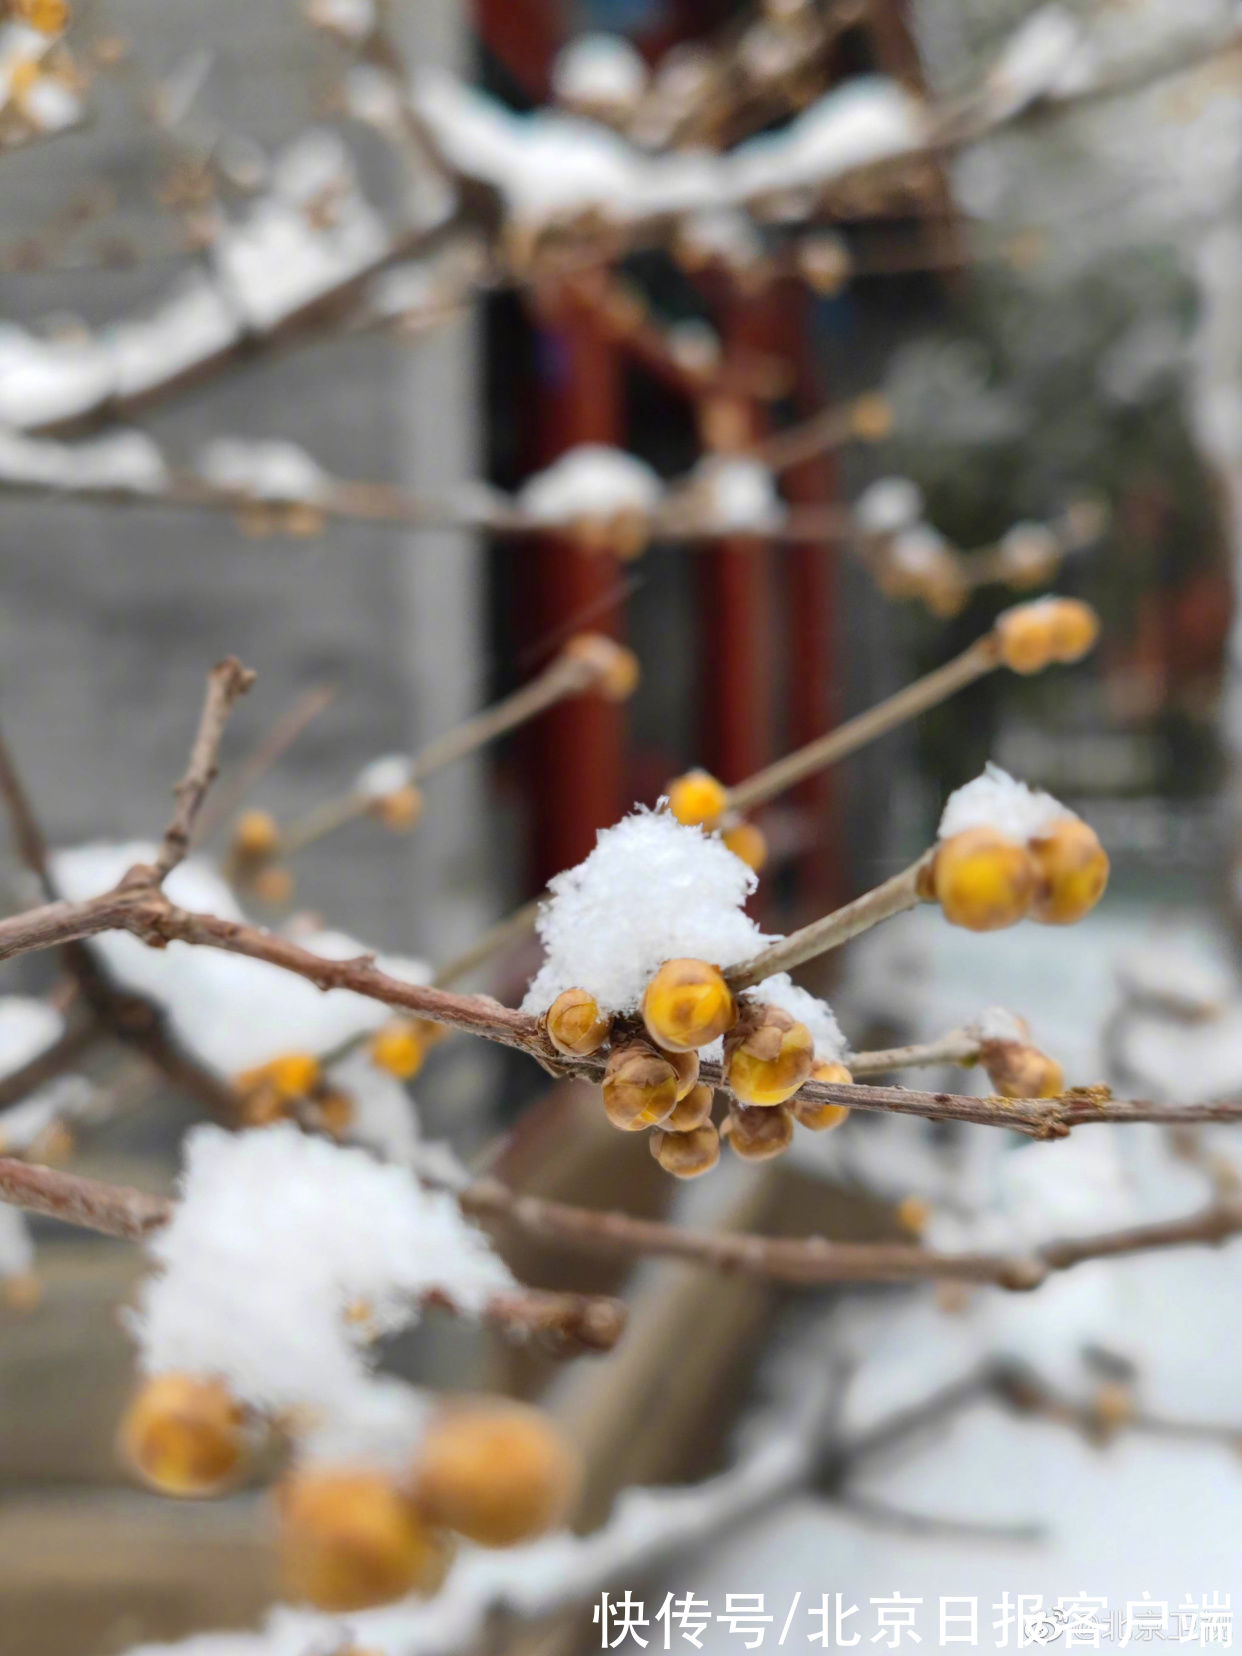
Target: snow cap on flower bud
pixel 256 834
pixel 497 1472
pixel 1033 635
pixel 349 1539
pixel 698 799
pixel 640 1087
pixel 1073 871
pixel 758 1135
pixel 614 669
pixel 692 1109
pixel 689 1154
pixel 768 1055
pixel 982 879
pixel 575 1024
pixel 748 842
pixel 688 1004
pixel 821 1117
pixel 399 1048
pixel 1018 1070
pixel 185 1435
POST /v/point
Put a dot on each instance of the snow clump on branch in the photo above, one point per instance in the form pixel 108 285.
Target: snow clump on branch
pixel 997 800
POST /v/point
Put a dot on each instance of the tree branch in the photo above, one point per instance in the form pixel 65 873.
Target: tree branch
pixel 226 683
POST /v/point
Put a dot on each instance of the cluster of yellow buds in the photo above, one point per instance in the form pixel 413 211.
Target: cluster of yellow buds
pixel 700 801
pixel 252 859
pixel 350 1537
pixel 494 1472
pixel 1032 636
pixel 985 880
pixel 300 519
pixel 292 1087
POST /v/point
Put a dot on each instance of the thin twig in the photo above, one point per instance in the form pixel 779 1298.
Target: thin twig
pixel 980 658
pixel 893 896
pixel 226 683
pixel 503 935
pixel 27 835
pixel 284 733
pixel 957 1047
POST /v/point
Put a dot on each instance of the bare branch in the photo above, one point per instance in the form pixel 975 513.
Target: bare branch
pixel 226 683
pixel 567 1323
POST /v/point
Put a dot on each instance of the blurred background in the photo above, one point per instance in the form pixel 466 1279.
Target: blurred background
pixel 1037 324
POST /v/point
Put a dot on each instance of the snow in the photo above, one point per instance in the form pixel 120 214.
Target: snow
pixel 44 380
pixel 996 800
pixel 188 327
pixel 599 69
pixel 27 1028
pixel 232 1012
pixel 127 461
pixel 1047 56
pixel 997 1023
pixel 67 1098
pixel 384 1116
pixel 551 164
pixel 888 505
pixel 268 470
pixel 652 890
pixel 737 493
pixel 276 1236
pixel 384 776
pixel 591 481
pixel 780 990
pixel 16 1248
pixel 351 19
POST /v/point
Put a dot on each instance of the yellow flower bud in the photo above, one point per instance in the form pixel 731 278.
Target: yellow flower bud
pixel 49 17
pixel 1017 1070
pixel 687 1155
pixel 273 886
pixel 822 1117
pixel 687 1066
pixel 913 1212
pixel 184 1435
pixel 691 1110
pixel 575 1024
pixel 982 880
pixel 697 799
pixel 688 1004
pixel 628 533
pixel 294 1074
pixel 1072 869
pixel 1075 628
pixel 748 842
pixel 871 417
pixel 348 1539
pixel 399 1048
pixel 256 834
pixel 614 668
pixel 758 1135
pixel 1112 1408
pixel 335 1112
pixel 767 1056
pixel 399 810
pixel 640 1087
pixel 497 1472
pixel 21 1293
pixel 1025 635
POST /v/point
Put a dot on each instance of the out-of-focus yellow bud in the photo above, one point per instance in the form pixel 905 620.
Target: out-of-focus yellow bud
pixel 49 17
pixel 640 1087
pixel 1072 871
pixel 824 262
pixel 256 834
pixel 336 1113
pixel 768 1055
pixel 691 1110
pixel 575 1024
pixel 688 1004
pixel 22 1292
pixel 399 810
pixel 983 880
pixel 185 1435
pixel 615 668
pixel 1017 1070
pixel 1075 628
pixel 273 885
pixel 399 1048
pixel 913 1212
pixel 687 1155
pixel 823 1117
pixel 758 1135
pixel 748 842
pixel 497 1472
pixel 294 1074
pixel 348 1539
pixel 628 534
pixel 1112 1409
pixel 697 799
pixel 871 417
